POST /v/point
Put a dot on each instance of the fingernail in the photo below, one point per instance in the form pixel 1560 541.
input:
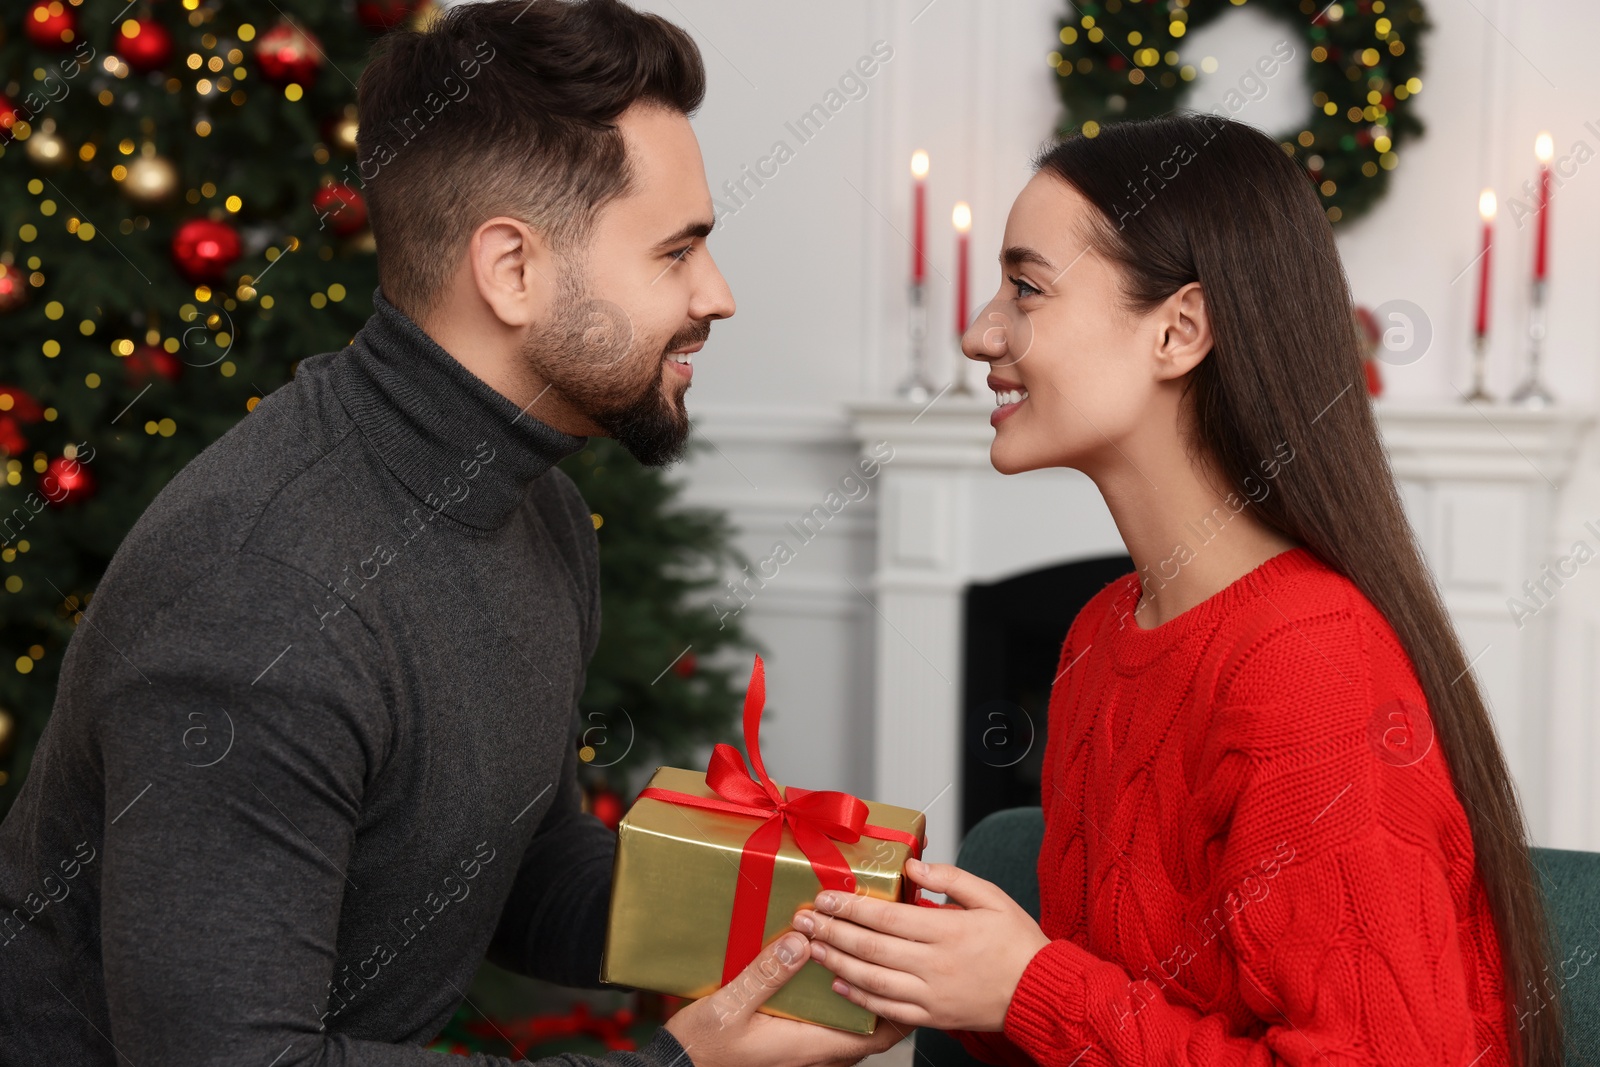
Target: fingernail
pixel 819 951
pixel 840 987
pixel 916 867
pixel 803 923
pixel 828 902
pixel 790 947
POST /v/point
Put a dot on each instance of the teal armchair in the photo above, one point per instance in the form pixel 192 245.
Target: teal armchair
pixel 1004 848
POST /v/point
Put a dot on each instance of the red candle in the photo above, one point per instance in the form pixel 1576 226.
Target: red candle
pixel 919 215
pixel 1486 208
pixel 961 217
pixel 1544 148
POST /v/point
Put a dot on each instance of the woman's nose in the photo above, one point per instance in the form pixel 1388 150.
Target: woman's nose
pixel 986 337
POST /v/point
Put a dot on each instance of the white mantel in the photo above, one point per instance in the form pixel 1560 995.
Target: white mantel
pixel 1482 486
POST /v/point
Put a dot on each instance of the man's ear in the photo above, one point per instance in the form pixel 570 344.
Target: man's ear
pixel 1183 332
pixel 512 267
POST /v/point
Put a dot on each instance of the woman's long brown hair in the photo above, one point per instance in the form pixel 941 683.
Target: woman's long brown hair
pixel 1196 198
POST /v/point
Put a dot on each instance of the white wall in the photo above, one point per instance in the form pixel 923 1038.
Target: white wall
pixel 817 259
pixel 818 269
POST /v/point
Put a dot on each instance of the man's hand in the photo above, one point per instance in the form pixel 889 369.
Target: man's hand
pixel 954 968
pixel 725 1028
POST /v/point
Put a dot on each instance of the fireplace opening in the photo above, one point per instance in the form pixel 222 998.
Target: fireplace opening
pixel 1013 634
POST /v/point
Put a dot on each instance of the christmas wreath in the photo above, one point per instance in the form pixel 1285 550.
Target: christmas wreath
pixel 1127 59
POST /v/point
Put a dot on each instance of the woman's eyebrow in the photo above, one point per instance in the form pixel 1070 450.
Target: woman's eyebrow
pixel 1018 255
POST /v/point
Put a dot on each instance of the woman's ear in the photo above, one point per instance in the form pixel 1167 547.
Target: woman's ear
pixel 1183 332
pixel 511 266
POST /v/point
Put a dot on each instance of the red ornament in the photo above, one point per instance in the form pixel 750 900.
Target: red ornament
pixel 380 15
pixel 286 54
pixel 607 807
pixel 204 249
pixel 148 362
pixel 16 409
pixel 144 43
pixel 8 113
pixel 13 287
pixel 66 481
pixel 12 443
pixel 341 208
pixel 530 1031
pixel 51 24
pixel 686 666
pixel 19 405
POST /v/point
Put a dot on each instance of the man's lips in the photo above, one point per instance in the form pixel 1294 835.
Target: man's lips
pixel 686 367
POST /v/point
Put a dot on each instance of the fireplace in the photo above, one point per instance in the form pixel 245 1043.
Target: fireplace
pixel 965 605
pixel 1014 630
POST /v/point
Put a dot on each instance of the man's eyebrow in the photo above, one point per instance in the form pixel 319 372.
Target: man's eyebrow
pixel 1017 255
pixel 693 229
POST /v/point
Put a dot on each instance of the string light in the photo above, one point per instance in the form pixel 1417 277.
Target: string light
pixel 1356 86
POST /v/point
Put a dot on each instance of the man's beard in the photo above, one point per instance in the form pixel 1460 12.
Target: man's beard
pixel 590 353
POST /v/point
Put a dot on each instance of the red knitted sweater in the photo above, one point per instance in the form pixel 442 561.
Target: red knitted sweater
pixel 1253 852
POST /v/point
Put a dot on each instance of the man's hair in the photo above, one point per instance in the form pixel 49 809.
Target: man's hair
pixel 505 107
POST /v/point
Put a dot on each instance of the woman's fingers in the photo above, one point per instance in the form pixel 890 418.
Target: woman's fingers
pixel 962 887
pixel 885 950
pixel 877 989
pixel 886 916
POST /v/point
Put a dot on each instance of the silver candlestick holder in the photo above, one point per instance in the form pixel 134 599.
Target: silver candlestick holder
pixel 960 385
pixel 1532 392
pixel 917 386
pixel 1479 392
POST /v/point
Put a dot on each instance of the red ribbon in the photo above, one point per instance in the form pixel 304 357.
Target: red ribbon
pixel 815 819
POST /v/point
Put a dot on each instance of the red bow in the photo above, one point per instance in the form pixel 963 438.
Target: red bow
pixel 815 819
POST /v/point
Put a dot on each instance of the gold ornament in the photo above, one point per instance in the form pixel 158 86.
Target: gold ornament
pixel 426 16
pixel 7 728
pixel 46 150
pixel 344 131
pixel 150 179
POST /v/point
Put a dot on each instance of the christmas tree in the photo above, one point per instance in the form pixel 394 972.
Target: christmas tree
pixel 182 221
pixel 651 696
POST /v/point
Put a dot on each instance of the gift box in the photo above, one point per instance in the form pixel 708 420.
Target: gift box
pixel 711 866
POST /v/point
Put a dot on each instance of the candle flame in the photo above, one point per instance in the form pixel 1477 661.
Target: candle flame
pixel 919 164
pixel 961 217
pixel 1486 204
pixel 1544 147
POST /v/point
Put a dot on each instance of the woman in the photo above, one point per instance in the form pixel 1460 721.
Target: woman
pixel 1278 826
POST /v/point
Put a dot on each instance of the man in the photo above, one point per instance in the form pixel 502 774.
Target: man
pixel 312 754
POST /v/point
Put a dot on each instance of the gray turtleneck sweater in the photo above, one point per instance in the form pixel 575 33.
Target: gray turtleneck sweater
pixel 312 754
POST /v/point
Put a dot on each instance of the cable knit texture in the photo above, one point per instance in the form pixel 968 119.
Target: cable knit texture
pixel 1253 851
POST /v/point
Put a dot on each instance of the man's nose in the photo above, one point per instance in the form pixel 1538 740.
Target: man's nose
pixel 713 299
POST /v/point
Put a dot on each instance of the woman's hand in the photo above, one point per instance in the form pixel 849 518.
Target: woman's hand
pixel 954 968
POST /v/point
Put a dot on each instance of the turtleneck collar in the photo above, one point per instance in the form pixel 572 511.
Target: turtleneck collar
pixel 439 428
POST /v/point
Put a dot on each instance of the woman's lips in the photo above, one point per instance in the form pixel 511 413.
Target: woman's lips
pixel 1009 396
pixel 1005 411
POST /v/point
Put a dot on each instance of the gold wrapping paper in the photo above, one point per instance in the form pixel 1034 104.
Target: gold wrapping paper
pixel 672 893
